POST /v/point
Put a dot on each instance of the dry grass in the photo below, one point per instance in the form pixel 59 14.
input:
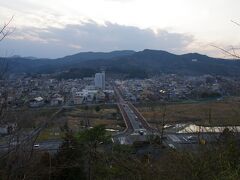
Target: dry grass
pixel 50 134
pixel 79 117
pixel 204 113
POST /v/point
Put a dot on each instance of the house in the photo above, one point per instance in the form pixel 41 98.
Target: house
pixel 90 95
pixel 36 102
pixel 78 98
pixel 56 100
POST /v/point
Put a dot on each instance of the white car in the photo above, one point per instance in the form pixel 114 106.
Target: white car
pixel 142 131
pixel 36 145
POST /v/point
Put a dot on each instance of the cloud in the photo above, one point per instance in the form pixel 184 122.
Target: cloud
pixel 124 1
pixel 90 36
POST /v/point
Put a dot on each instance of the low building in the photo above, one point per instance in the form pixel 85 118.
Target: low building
pixel 57 100
pixel 100 96
pixel 36 102
pixel 78 98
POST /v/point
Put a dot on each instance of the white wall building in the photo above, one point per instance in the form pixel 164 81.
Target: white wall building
pixel 99 80
pixel 79 97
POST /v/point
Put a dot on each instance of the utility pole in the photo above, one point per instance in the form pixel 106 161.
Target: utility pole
pixel 163 121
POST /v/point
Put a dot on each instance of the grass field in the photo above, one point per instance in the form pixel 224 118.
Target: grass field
pixel 81 117
pixel 50 134
pixel 212 113
pixel 30 118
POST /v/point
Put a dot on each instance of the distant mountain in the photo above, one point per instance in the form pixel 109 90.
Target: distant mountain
pixel 97 55
pixel 19 64
pixel 17 56
pixel 134 64
pixel 154 61
pixel 30 57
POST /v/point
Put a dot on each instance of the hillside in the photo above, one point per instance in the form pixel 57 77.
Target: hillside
pixel 136 64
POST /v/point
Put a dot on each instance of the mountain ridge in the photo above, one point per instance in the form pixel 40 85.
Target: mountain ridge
pixel 147 62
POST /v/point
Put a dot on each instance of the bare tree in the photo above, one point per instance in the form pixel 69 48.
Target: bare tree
pixel 4 32
pixel 6 29
pixel 232 52
pixel 160 122
pixel 163 120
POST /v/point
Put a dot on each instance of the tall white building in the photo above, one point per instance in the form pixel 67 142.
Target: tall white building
pixel 99 80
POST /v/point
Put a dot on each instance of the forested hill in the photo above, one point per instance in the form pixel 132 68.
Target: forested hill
pixel 140 63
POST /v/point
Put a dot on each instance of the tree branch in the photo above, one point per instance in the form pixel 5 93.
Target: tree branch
pixel 5 31
pixel 226 52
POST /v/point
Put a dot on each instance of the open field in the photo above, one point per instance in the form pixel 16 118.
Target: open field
pixel 27 118
pixel 81 117
pixel 213 113
pixel 50 134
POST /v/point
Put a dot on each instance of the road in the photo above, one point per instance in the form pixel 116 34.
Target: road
pixel 27 140
pixel 51 146
pixel 137 128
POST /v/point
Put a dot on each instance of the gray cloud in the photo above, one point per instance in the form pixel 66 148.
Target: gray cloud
pixel 90 36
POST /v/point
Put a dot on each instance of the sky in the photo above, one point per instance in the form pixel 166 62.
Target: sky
pixel 56 28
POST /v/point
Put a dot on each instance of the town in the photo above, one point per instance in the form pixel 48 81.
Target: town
pixel 121 105
pixel 119 90
pixel 45 91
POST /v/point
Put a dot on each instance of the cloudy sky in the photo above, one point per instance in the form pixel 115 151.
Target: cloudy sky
pixel 55 28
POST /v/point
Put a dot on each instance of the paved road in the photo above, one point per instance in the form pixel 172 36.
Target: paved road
pixel 137 129
pixel 136 122
pixel 141 119
pixel 50 145
pixel 27 140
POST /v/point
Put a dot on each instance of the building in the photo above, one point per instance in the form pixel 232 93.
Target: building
pixel 36 102
pixel 99 80
pixel 78 98
pixel 56 100
pixel 85 96
pixel 100 96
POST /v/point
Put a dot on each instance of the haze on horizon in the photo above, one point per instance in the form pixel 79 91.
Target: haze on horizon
pixel 58 28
